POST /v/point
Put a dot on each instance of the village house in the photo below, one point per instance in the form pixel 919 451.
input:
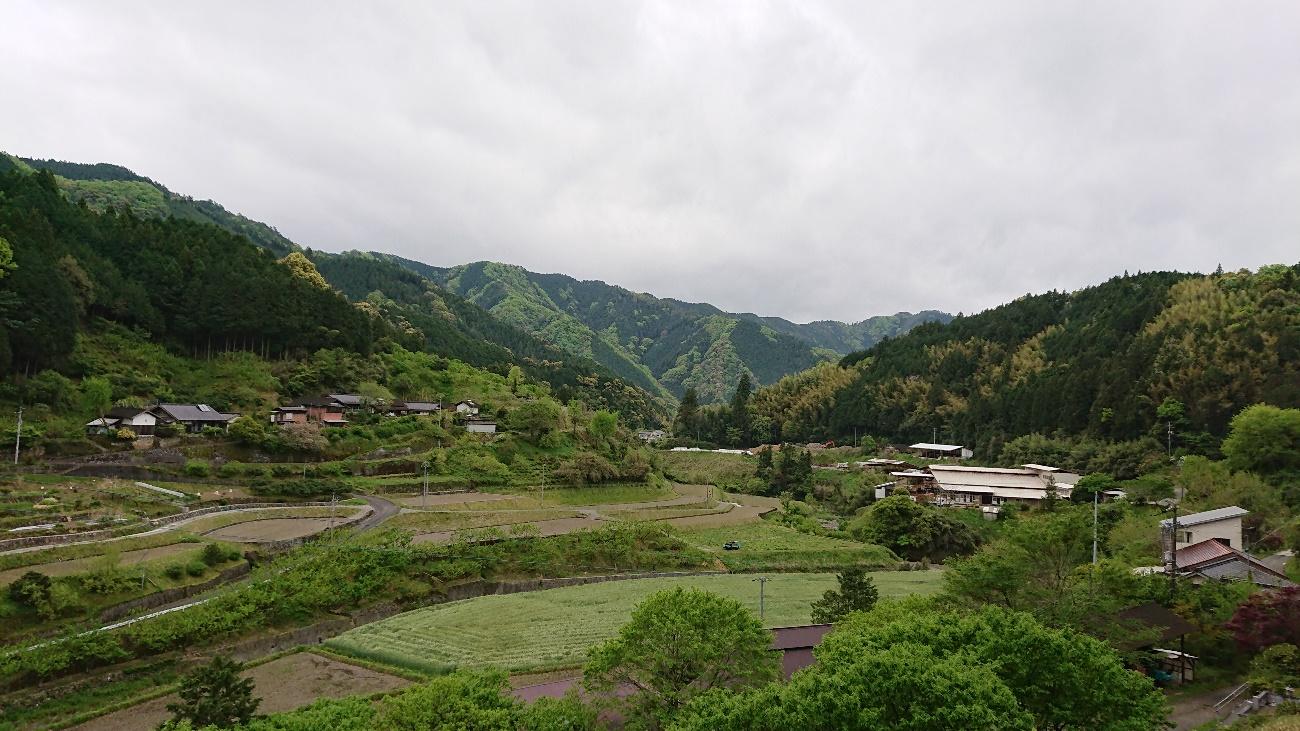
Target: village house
pixel 651 435
pixel 1213 559
pixel 414 408
pixel 993 486
pixel 1223 524
pixel 141 422
pixel 467 407
pixel 348 401
pixel 193 417
pixel 879 463
pixel 326 410
pixel 926 450
pixel 480 426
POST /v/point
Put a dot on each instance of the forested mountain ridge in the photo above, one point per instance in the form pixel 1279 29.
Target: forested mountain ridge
pixel 1149 356
pixel 203 290
pixel 102 185
pixel 658 343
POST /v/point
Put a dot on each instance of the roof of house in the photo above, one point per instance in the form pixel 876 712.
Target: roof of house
pixel 1217 560
pixel 1153 615
pixel 970 479
pixel 195 412
pixel 291 408
pixel 105 422
pixel 124 412
pixel 422 405
pixel 1208 516
pixel 347 399
pixel 1040 467
pixel 809 635
pixel 467 402
pixel 937 447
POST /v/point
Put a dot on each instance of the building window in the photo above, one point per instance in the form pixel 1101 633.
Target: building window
pixel 1185 536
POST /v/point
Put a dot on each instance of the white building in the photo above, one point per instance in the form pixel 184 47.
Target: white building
pixel 1000 485
pixel 941 451
pixel 1223 524
pixel 467 407
pixel 481 426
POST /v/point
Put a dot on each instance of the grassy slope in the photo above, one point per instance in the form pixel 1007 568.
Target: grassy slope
pixel 556 627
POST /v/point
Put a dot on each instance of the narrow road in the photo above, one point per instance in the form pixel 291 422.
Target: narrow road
pixel 381 510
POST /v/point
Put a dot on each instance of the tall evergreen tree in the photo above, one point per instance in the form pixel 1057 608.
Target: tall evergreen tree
pixel 740 417
pixel 688 412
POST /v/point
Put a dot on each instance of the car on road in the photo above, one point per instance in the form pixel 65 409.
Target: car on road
pixel 731 546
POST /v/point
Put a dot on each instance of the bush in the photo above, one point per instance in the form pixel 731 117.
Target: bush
pixel 196 568
pixel 254 470
pixel 213 554
pixel 196 468
pixel 229 469
pixel 174 571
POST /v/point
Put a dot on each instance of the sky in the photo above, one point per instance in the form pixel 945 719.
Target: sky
pixel 806 160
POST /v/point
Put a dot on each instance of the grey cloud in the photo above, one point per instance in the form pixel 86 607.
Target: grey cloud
pixel 809 160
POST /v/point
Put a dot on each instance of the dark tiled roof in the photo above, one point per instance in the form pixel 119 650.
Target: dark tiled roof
pixel 347 399
pixel 195 412
pixel 124 412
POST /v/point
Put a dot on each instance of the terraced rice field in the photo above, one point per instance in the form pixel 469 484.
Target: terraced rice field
pixel 555 628
pixel 272 529
pixel 183 552
pixel 282 684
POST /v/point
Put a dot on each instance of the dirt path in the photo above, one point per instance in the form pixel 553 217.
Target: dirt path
pixel 1191 711
pixel 283 684
pixel 381 509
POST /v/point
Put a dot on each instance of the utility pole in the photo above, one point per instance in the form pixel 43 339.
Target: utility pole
pixel 333 499
pixel 934 439
pixel 1169 438
pixel 18 436
pixel 762 587
pixel 1094 527
pixel 1171 558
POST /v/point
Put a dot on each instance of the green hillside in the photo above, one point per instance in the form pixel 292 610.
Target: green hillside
pixel 660 344
pixel 395 304
pixel 1160 356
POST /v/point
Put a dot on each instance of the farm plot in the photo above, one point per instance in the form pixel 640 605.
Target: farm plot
pixel 183 552
pixel 271 530
pixel 539 529
pixel 766 546
pixel 283 684
pixel 211 523
pixel 556 628
pixel 452 501
pixel 425 521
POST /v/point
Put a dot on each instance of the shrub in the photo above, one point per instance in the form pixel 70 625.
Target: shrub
pixel 229 469
pixel 213 554
pixel 196 468
pixel 196 568
pixel 174 571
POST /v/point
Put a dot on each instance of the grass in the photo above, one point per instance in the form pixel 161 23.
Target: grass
pixel 98 548
pixel 555 628
pixel 706 468
pixel 766 546
pixel 665 513
pixel 221 520
pixel 463 519
pixel 600 494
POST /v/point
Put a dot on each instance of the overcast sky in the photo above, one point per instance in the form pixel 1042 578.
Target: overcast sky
pixel 807 160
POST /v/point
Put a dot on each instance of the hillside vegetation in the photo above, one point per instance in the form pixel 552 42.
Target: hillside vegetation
pixel 1158 356
pixel 663 345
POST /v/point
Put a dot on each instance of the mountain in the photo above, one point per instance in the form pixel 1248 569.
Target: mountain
pixel 123 249
pixel 663 345
pixel 102 185
pixel 1153 356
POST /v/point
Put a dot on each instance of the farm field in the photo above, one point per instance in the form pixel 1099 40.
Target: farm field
pixel 706 468
pixel 51 554
pixel 271 529
pixel 209 523
pixel 556 627
pixel 770 547
pixel 540 529
pixel 283 684
pixel 183 552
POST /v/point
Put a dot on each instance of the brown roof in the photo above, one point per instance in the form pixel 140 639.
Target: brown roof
pixel 809 635
pixel 1154 615
pixel 1198 553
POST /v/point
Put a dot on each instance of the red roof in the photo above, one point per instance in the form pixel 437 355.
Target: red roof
pixel 1199 553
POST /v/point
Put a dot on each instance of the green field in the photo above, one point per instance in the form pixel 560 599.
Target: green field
pixel 766 546
pixel 555 628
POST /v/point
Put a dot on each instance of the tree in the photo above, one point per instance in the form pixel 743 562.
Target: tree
pixel 1063 678
pixel 1264 439
pixel 857 593
pixel 32 589
pixel 515 379
pixel 687 414
pixel 904 688
pixel 764 468
pixel 913 529
pixel 459 700
pixel 1090 485
pixel 215 695
pixel 373 394
pixel 1276 669
pixel 96 396
pixel 304 269
pixel 740 418
pixel 536 419
pixel 6 258
pixel 1267 618
pixel 602 427
pixel 678 644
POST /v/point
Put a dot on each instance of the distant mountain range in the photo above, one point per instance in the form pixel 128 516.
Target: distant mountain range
pixel 663 346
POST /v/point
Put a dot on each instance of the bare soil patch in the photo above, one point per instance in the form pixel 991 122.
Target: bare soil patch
pixel 270 530
pixel 283 684
pixel 736 516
